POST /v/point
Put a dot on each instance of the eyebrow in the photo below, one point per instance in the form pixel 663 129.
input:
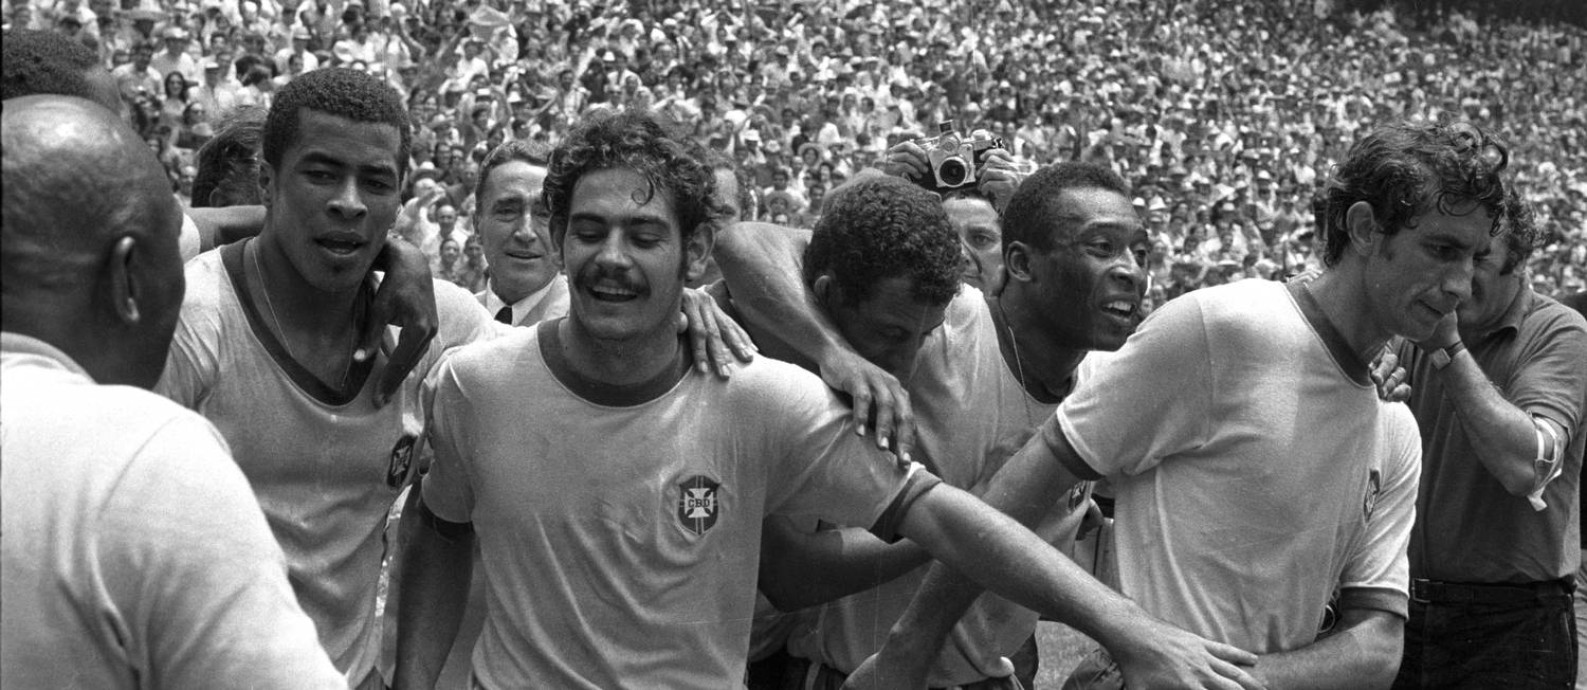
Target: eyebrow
pixel 319 158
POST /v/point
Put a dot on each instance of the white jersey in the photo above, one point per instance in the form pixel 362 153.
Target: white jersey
pixel 134 555
pixel 325 465
pixel 1255 468
pixel 972 413
pixel 620 527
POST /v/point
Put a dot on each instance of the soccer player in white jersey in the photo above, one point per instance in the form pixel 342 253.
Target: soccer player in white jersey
pixel 134 554
pixel 264 350
pixel 1256 470
pixel 618 496
pixel 980 377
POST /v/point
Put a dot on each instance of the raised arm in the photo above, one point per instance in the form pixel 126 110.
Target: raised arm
pixel 1523 439
pixel 762 266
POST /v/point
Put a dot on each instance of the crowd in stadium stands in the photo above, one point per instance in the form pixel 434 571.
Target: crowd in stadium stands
pixel 1223 115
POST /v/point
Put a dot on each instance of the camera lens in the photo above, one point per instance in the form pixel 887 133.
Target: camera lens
pixel 952 172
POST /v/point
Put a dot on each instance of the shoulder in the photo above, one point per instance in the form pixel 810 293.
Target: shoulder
pixel 1549 317
pixel 767 389
pixel 462 316
pixel 487 361
pixel 208 296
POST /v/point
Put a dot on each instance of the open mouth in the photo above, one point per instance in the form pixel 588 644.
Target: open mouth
pixel 340 247
pixel 613 293
pixel 1120 308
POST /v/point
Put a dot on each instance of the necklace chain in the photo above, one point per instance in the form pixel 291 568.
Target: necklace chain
pixel 265 290
pixel 286 341
pixel 1019 365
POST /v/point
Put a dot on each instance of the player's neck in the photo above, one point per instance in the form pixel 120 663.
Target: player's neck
pixel 299 306
pixel 1043 365
pixel 618 362
pixel 1341 295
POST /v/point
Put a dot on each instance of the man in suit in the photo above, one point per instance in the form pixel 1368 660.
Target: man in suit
pixel 526 283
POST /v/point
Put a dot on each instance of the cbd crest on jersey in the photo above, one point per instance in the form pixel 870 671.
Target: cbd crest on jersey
pixel 697 503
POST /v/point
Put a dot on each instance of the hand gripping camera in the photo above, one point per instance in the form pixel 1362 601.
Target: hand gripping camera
pixel 953 159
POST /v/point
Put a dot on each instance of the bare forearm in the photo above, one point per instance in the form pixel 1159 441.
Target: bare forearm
pixel 1363 653
pixel 849 561
pixel 219 226
pixel 991 550
pixel 434 589
pixel 761 264
pixel 1507 442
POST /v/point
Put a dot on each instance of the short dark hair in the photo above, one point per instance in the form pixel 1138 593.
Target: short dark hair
pixel 1407 169
pixel 1034 209
pixel 878 227
pixel 338 91
pixel 229 161
pixel 45 62
pixel 533 153
pixel 635 140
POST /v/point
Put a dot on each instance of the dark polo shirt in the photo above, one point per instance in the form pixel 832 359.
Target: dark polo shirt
pixel 1468 528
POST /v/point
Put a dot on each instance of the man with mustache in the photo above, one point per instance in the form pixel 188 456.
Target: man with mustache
pixel 620 528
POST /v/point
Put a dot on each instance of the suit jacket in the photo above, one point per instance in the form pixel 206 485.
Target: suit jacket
pixel 553 305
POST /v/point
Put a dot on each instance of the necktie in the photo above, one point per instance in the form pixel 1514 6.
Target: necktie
pixel 504 315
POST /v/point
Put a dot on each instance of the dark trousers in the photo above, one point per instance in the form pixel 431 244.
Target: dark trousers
pixel 1489 636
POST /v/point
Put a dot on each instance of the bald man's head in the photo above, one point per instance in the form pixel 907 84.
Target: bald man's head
pixel 90 254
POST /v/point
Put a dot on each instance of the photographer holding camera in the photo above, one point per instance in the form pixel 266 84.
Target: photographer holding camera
pixel 975 177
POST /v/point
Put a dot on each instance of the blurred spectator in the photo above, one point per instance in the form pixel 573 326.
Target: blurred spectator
pixel 1221 142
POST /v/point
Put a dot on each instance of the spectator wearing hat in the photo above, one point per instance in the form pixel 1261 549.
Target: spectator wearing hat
pixel 174 57
pixel 218 93
pixel 307 60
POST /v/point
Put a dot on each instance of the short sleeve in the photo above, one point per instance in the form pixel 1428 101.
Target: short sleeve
pixel 192 565
pixel 191 363
pixel 825 470
pixel 1145 402
pixel 1552 381
pixel 1377 574
pixel 448 492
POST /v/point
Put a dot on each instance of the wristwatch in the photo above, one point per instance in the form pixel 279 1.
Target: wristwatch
pixel 1444 355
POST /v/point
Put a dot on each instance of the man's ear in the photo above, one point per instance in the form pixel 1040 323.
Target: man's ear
pixel 266 177
pixel 1365 233
pixel 1016 262
pixel 124 289
pixel 697 251
pixel 826 292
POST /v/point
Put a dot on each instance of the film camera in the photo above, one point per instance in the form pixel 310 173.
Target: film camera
pixel 955 160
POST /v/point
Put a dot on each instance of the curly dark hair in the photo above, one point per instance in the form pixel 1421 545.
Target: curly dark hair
pixel 46 62
pixel 1034 209
pixel 229 161
pixel 877 227
pixel 636 140
pixel 1407 169
pixel 533 153
pixel 338 91
pixel 1521 233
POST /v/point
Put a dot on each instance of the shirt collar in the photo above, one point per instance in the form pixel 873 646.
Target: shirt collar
pixel 18 344
pixel 494 303
pixel 1514 314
